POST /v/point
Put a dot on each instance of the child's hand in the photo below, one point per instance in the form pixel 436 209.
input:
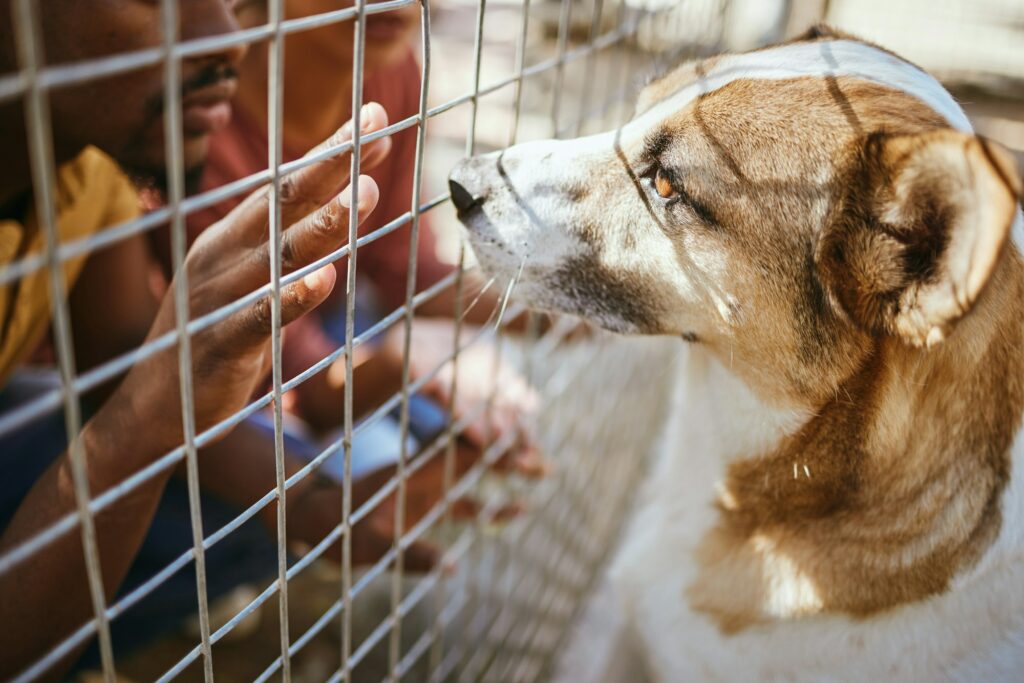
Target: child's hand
pixel 480 376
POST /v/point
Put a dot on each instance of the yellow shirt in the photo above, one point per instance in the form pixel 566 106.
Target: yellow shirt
pixel 91 193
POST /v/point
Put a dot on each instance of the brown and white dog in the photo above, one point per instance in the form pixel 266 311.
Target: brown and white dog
pixel 841 496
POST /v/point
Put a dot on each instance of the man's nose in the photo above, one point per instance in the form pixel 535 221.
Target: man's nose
pixel 207 18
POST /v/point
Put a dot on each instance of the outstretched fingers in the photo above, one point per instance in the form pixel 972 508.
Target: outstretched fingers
pixel 251 326
pixel 327 228
pixel 308 188
pixel 312 238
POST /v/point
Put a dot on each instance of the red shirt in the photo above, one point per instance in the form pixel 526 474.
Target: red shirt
pixel 241 150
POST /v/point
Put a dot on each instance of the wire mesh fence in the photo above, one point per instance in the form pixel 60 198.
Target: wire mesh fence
pixel 499 603
pixel 496 605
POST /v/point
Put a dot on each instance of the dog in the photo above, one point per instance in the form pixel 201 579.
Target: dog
pixel 841 492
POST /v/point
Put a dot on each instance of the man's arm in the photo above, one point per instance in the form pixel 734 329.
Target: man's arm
pixel 47 593
pixel 241 469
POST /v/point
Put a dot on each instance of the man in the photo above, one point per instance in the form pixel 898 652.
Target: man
pixel 47 595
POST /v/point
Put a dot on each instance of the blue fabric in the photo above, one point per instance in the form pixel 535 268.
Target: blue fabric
pixel 26 452
pixel 427 419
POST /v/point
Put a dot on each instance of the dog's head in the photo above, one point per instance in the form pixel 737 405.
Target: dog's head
pixel 782 207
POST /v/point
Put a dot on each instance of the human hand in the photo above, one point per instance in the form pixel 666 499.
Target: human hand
pixel 231 260
pixel 315 511
pixel 482 377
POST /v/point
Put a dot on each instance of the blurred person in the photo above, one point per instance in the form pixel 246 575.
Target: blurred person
pixel 101 130
pixel 317 96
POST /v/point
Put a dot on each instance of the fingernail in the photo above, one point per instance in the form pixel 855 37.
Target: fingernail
pixel 531 462
pixel 364 118
pixel 345 197
pixel 366 189
pixel 516 508
pixel 319 279
pixel 344 134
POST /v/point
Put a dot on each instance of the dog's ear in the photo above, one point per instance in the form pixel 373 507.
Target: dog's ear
pixel 821 31
pixel 920 231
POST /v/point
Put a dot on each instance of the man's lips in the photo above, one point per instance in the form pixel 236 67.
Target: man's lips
pixel 208 109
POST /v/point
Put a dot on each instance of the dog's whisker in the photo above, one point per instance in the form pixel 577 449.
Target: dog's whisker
pixel 508 294
pixel 504 304
pixel 495 312
pixel 476 299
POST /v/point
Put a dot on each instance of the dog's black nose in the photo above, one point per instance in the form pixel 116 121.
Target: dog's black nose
pixel 462 198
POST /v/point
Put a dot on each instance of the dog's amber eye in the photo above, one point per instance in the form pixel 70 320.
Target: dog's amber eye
pixel 663 186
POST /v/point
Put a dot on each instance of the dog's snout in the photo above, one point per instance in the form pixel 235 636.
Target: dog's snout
pixel 463 199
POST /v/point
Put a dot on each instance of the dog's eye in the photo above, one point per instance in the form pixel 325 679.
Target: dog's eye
pixel 663 185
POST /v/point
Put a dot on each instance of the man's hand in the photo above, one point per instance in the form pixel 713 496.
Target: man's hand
pixel 313 509
pixel 232 259
pixel 482 377
pixel 314 512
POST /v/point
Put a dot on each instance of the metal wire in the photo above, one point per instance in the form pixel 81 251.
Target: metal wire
pixel 564 18
pixel 473 552
pixel 275 106
pixel 450 435
pixel 350 315
pixel 394 645
pixel 591 65
pixel 37 114
pixel 175 193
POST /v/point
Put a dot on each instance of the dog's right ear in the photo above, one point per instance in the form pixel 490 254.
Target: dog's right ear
pixel 821 31
pixel 919 233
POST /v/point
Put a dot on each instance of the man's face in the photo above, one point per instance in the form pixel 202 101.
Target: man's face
pixel 124 115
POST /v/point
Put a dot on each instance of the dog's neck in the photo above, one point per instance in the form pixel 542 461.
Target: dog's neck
pixel 862 504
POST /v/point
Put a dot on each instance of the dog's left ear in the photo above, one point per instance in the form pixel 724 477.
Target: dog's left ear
pixel 919 233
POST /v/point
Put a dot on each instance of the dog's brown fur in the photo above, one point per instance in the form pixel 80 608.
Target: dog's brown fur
pixel 864 498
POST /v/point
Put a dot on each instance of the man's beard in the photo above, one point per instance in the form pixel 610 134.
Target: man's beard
pixel 151 178
pixel 152 183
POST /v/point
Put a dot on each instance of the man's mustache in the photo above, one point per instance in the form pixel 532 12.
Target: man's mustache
pixel 210 74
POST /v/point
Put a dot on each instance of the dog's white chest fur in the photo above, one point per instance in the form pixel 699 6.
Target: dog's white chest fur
pixel 974 632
